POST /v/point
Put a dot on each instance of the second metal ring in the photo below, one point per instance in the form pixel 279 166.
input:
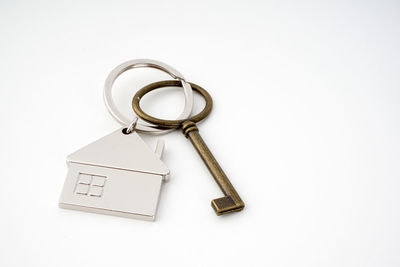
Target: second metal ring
pixel 170 123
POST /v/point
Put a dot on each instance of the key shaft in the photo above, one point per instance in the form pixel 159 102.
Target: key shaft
pixel 231 202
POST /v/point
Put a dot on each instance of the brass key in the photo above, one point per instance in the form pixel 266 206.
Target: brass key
pixel 231 202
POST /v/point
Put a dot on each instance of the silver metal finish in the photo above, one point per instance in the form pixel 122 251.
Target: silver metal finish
pixel 140 63
pixel 131 127
pixel 160 148
pixel 119 174
pixel 115 175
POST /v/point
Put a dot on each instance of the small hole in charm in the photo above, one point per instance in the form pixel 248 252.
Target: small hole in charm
pixel 125 131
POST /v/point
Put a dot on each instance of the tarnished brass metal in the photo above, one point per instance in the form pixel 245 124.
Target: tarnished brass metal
pixel 170 123
pixel 231 202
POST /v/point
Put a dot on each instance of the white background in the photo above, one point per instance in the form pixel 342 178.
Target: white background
pixel 305 124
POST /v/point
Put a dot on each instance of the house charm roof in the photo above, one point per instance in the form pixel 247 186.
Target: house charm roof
pixel 120 151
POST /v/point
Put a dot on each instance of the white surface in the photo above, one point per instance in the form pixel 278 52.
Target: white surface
pixel 310 91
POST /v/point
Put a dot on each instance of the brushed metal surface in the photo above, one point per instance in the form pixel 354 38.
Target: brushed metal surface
pixel 115 175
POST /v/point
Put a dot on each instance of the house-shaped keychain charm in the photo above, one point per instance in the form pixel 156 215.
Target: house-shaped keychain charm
pixel 115 175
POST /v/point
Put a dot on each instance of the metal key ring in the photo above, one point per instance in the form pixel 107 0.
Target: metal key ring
pixel 140 63
pixel 170 123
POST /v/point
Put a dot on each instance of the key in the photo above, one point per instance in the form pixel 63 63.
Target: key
pixel 231 202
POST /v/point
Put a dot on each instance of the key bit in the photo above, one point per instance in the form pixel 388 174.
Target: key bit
pixel 231 202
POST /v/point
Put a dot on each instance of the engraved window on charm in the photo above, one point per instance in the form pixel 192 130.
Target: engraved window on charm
pixel 90 185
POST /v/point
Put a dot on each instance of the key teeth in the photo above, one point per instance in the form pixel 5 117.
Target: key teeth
pixel 225 205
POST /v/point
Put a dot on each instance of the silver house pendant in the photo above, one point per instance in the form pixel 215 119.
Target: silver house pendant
pixel 119 174
pixel 115 175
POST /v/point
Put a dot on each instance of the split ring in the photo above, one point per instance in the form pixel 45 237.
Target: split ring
pixel 140 63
